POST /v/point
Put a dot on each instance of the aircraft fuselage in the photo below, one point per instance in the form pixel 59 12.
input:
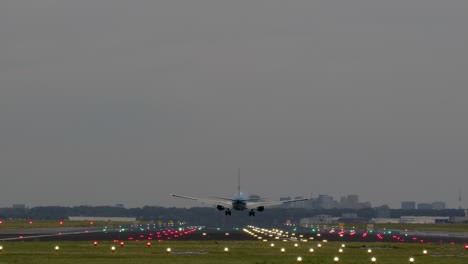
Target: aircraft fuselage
pixel 238 204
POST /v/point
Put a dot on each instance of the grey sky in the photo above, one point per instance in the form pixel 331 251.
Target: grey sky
pixel 116 101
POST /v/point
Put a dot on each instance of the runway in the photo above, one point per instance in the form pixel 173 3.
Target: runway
pixel 212 234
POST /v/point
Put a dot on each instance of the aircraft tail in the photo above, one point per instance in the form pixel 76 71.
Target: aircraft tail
pixel 238 183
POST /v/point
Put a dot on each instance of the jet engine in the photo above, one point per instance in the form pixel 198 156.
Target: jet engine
pixel 220 207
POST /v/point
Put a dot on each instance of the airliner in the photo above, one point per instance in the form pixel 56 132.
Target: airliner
pixel 238 202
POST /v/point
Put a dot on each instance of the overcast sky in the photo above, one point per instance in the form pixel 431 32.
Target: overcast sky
pixel 117 101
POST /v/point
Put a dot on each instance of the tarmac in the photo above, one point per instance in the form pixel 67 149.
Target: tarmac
pixel 167 234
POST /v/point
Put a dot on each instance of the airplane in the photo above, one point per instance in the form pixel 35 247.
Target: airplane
pixel 238 202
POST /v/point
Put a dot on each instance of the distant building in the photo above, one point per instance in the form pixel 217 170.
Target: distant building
pixel 424 206
pixel 325 202
pixel 438 205
pixel 423 219
pixel 460 219
pixel 408 205
pixel 385 220
pixel 96 218
pixel 298 204
pixel 383 211
pixel 254 198
pixel 352 201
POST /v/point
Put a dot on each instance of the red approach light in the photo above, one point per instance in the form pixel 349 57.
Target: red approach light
pixel 1 222
pixel 115 240
pixel 130 238
pixel 30 222
pixel 91 223
pixel 122 244
pixel 61 223
pixel 95 243
pixel 148 244
pixel 60 233
pixel 466 246
pixel 149 238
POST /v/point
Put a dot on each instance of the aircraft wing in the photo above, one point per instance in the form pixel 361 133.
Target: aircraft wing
pixel 254 205
pixel 223 202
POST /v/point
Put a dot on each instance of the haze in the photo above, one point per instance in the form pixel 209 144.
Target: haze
pixel 113 101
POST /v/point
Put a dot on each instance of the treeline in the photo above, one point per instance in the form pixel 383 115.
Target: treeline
pixel 208 215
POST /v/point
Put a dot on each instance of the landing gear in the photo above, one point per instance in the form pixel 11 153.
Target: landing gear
pixel 227 212
pixel 252 213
